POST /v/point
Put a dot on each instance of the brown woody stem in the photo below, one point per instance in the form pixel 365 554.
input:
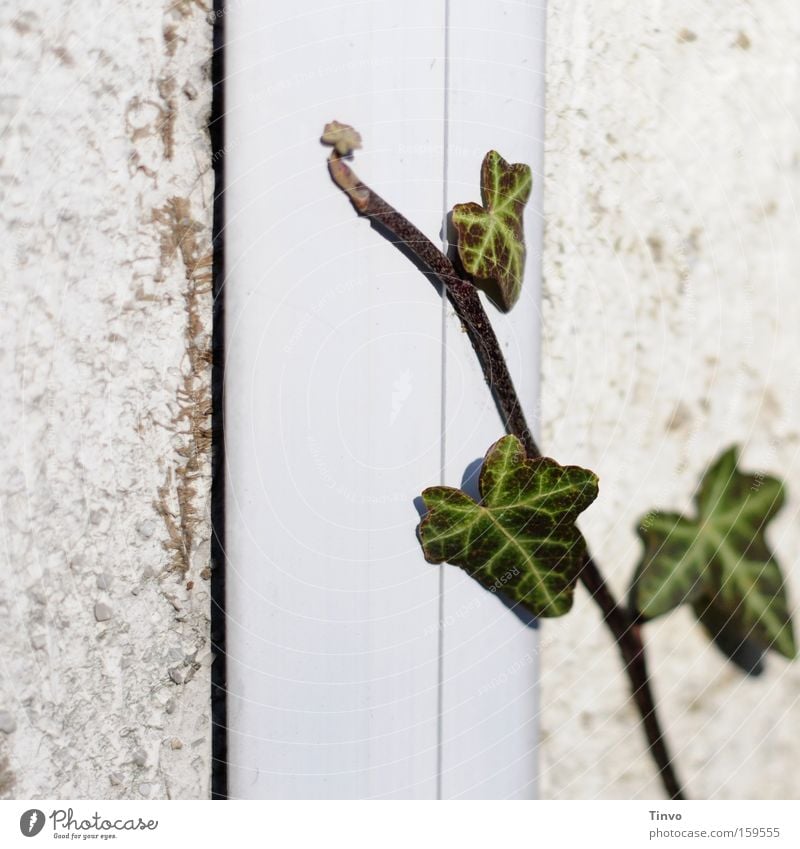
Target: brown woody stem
pixel 465 300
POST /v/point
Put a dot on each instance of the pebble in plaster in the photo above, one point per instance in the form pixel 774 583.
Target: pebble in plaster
pixel 102 612
pixel 177 675
pixel 742 41
pixel 8 724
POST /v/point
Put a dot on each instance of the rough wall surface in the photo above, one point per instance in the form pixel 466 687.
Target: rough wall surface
pixel 105 311
pixel 670 331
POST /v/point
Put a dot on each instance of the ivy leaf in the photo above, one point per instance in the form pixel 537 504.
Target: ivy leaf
pixel 718 560
pixel 521 538
pixel 491 244
pixel 344 138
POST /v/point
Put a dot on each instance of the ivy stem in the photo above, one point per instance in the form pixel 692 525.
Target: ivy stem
pixel 465 300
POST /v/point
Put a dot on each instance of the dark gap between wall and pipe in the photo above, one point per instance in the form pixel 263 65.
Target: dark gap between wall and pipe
pixel 219 691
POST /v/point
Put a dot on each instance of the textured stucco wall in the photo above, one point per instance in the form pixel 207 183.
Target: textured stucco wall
pixel 670 331
pixel 104 373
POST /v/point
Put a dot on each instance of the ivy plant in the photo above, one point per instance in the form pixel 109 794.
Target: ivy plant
pixel 522 534
pixel 718 560
pixel 490 240
pixel 520 538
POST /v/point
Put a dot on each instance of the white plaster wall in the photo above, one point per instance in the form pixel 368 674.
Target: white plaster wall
pixel 671 320
pixel 105 190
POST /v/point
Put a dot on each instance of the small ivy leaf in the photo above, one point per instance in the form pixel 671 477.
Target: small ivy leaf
pixel 342 137
pixel 521 538
pixel 491 244
pixel 719 560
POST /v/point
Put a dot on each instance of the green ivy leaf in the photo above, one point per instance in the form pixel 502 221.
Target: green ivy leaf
pixel 491 244
pixel 521 538
pixel 719 560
